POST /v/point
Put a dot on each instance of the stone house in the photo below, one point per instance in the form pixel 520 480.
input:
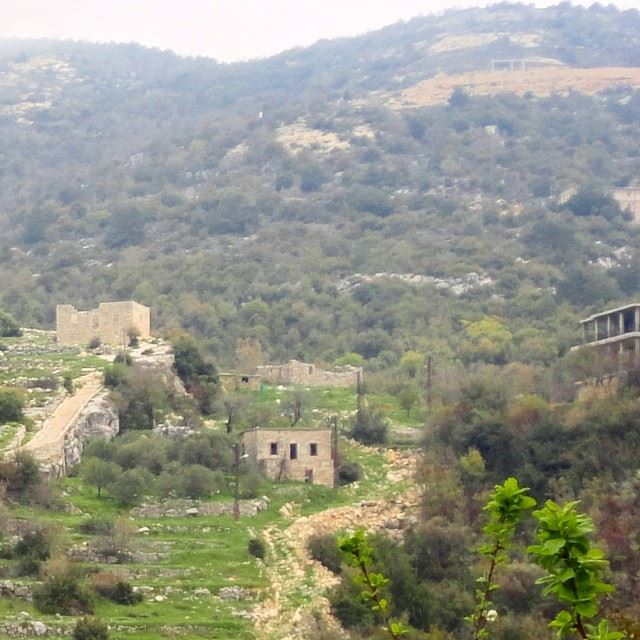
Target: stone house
pixel 111 323
pixel 305 454
pixel 232 381
pixel 305 373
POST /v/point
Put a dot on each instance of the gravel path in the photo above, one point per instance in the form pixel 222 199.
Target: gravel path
pixel 298 584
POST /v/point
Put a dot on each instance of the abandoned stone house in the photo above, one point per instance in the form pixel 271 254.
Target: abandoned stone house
pixel 111 323
pixel 306 454
pixel 305 373
pixel 231 381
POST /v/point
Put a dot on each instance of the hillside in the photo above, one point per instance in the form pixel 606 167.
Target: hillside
pixel 237 200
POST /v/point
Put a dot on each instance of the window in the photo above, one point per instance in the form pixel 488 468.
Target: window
pixel 313 449
pixel 245 379
pixel 274 448
pixel 293 451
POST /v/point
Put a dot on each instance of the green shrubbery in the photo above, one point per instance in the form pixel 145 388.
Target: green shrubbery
pixel 90 629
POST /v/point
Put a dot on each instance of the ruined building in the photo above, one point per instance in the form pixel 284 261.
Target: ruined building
pixel 629 200
pixel 111 323
pixel 304 373
pixel 307 454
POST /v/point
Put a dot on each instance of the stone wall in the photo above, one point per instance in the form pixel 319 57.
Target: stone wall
pixel 307 374
pixel 271 450
pixel 99 418
pixel 110 322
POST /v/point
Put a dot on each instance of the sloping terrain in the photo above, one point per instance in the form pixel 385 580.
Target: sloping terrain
pixel 540 81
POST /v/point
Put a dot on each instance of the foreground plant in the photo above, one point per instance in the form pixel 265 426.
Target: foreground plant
pixel 505 510
pixel 574 570
pixel 359 554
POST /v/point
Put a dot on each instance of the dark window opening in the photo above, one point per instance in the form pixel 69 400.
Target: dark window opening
pixel 274 448
pixel 293 451
pixel 313 449
pixel 629 320
pixel 245 379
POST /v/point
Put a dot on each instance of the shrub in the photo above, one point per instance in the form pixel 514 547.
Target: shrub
pixel 9 328
pixel 370 428
pixel 94 343
pixel 63 594
pixel 115 375
pixel 324 549
pixel 114 588
pixel 28 566
pixel 97 525
pixel 11 405
pixel 349 472
pixel 21 475
pixel 129 488
pixel 257 548
pixel 67 382
pixel 122 357
pixel 251 484
pixel 196 481
pixel 33 545
pixel 90 629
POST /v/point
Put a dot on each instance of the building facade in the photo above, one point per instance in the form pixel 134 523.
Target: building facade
pixel 615 335
pixel 111 323
pixel 628 198
pixel 305 373
pixel 307 455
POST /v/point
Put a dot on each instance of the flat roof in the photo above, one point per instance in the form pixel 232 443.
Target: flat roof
pixel 287 429
pixel 606 313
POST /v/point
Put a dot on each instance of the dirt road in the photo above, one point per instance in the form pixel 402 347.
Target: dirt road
pixel 46 445
pixel 297 607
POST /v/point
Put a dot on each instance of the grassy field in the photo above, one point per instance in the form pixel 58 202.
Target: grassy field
pixel 181 564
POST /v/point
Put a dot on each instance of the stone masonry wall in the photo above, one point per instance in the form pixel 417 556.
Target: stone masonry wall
pixel 280 466
pixel 304 373
pixel 110 322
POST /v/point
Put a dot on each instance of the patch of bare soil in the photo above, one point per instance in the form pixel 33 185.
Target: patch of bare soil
pixel 541 81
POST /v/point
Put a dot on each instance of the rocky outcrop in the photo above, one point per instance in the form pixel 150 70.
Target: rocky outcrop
pixel 99 418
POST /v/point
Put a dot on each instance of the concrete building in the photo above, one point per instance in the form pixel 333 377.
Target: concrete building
pixel 615 334
pixel 629 200
pixel 308 454
pixel 111 323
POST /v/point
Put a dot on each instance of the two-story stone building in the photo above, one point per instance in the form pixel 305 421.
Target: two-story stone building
pixel 306 454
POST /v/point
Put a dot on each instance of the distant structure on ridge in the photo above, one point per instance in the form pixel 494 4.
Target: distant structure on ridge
pixel 111 323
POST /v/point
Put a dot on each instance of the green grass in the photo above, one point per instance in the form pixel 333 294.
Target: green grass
pixel 206 551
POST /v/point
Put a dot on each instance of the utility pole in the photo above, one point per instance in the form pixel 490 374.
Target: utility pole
pixel 360 398
pixel 236 491
pixel 429 382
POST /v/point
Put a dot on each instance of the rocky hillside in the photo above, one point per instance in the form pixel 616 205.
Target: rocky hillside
pixel 420 162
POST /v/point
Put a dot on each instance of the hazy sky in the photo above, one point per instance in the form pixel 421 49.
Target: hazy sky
pixel 223 29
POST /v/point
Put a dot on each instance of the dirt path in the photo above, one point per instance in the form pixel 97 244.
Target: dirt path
pixel 46 444
pixel 298 584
